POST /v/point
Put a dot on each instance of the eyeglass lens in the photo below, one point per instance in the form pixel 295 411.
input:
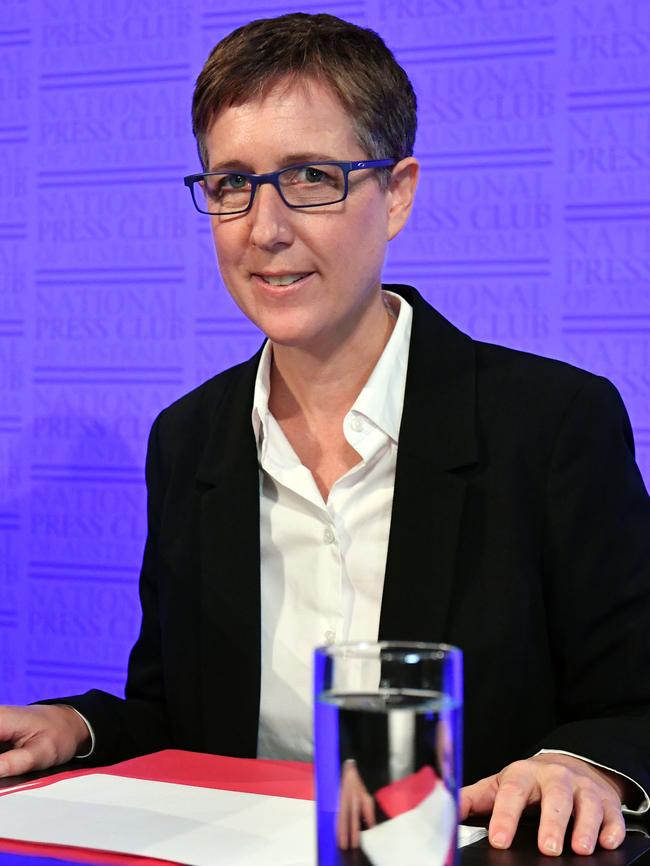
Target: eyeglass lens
pixel 304 186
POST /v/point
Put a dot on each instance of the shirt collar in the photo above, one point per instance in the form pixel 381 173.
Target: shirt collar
pixel 261 398
pixel 382 397
pixel 380 400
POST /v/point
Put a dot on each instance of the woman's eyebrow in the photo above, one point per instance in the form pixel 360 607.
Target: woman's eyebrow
pixel 296 158
pixel 231 165
pixel 288 159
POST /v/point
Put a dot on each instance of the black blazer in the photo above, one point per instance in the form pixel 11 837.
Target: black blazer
pixel 520 532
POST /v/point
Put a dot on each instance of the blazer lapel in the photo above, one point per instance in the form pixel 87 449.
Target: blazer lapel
pixel 228 485
pixel 437 437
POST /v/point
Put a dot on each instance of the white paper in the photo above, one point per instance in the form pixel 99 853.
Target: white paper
pixel 181 823
pixel 197 826
pixel 468 835
pixel 420 837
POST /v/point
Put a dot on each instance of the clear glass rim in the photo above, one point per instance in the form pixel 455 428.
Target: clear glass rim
pixel 365 648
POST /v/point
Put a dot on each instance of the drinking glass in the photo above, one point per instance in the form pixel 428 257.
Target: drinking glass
pixel 388 747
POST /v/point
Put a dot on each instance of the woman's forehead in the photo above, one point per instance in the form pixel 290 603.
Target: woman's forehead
pixel 299 117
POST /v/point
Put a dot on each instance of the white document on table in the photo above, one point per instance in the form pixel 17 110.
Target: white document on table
pixel 422 836
pixel 181 823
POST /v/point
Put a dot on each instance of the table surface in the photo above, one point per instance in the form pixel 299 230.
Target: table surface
pixel 523 852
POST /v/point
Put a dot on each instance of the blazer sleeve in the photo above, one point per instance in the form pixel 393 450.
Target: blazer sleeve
pixel 138 724
pixel 597 585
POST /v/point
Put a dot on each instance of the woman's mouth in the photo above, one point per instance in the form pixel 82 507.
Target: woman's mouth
pixel 282 279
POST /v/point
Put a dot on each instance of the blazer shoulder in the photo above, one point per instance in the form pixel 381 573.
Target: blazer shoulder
pixel 192 415
pixel 437 341
pixel 548 378
pixel 536 396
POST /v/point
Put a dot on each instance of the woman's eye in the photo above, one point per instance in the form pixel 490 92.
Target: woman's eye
pixel 235 181
pixel 314 175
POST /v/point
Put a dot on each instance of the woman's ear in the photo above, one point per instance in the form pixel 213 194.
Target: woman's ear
pixel 401 194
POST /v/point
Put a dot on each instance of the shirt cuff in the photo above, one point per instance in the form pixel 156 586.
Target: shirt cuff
pixel 644 804
pixel 90 731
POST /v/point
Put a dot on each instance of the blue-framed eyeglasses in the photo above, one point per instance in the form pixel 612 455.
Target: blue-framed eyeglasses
pixel 221 193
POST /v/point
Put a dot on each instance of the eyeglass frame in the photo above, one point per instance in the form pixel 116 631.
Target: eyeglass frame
pixel 273 177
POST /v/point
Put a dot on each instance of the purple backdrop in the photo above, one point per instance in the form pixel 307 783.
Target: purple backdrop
pixel 532 229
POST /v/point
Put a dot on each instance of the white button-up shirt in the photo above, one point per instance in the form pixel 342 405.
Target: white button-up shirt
pixel 323 563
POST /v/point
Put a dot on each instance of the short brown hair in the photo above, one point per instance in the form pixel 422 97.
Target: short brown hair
pixel 354 61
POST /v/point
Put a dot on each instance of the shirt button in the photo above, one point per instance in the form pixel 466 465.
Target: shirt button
pixel 328 535
pixel 356 424
pixel 330 636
